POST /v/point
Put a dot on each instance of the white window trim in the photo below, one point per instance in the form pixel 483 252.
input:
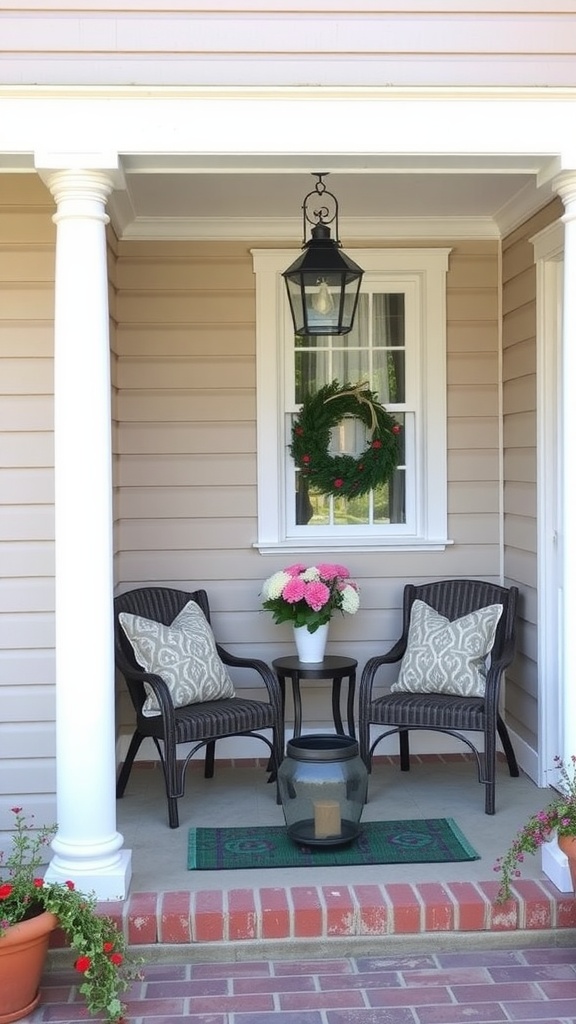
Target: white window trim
pixel 274 327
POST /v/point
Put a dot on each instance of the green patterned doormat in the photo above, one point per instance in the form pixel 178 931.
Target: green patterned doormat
pixel 424 840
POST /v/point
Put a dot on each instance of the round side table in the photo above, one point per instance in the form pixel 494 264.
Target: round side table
pixel 333 668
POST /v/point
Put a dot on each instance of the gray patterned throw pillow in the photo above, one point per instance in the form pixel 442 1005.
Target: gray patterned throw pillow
pixel 184 654
pixel 447 657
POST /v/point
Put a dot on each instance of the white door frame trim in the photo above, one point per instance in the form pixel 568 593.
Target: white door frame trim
pixel 548 255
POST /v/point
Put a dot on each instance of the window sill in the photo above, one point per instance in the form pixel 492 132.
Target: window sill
pixel 294 546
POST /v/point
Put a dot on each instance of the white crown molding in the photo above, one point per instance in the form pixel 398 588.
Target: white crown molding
pixel 524 204
pixel 266 229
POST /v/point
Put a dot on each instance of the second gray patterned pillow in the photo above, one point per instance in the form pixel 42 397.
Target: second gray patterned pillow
pixel 447 657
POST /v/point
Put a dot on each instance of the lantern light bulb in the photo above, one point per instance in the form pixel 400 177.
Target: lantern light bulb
pixel 322 301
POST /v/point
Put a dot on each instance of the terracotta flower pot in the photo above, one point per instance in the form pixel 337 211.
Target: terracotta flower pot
pixel 22 956
pixel 568 846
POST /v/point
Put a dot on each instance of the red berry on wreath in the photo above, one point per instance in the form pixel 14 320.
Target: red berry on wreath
pixel 305 459
pixel 395 429
pixel 338 483
pixel 376 444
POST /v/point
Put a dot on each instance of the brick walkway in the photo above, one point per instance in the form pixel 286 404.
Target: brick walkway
pixel 533 984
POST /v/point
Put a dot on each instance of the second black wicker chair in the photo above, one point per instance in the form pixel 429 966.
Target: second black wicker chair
pixel 199 724
pixel 403 712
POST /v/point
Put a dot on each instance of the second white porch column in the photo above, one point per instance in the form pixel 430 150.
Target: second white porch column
pixel 565 185
pixel 87 848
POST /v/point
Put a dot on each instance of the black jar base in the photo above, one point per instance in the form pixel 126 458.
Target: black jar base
pixel 304 834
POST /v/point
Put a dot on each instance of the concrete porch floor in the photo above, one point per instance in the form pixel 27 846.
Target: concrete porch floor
pixel 170 905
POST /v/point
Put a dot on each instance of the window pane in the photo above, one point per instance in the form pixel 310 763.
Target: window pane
pixel 312 508
pixel 351 366
pixel 388 316
pixel 352 511
pixel 311 373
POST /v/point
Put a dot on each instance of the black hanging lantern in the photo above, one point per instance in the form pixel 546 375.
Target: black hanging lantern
pixel 323 284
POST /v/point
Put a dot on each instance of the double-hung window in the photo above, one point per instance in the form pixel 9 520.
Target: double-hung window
pixel 397 348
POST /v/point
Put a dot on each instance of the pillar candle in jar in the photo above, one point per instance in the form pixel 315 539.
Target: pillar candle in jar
pixel 327 821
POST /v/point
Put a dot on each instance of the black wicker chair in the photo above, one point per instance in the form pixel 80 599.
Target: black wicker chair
pixel 199 724
pixel 402 712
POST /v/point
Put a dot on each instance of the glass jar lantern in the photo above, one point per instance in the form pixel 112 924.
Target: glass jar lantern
pixel 323 783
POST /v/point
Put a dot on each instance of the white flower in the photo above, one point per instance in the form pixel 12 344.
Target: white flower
pixel 310 574
pixel 274 586
pixel 350 600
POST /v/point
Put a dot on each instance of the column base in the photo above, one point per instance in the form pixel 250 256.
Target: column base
pixel 112 883
pixel 555 866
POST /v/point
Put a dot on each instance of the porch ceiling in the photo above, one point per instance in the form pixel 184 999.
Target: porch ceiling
pixel 219 196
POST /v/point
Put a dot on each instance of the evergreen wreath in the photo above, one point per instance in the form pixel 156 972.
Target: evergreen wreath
pixel 343 474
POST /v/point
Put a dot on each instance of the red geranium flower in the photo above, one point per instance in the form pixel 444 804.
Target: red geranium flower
pixel 116 959
pixel 69 885
pixel 5 890
pixel 38 883
pixel 83 964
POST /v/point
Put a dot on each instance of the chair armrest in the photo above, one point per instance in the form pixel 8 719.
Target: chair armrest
pixel 495 670
pixel 160 689
pixel 396 653
pixel 268 677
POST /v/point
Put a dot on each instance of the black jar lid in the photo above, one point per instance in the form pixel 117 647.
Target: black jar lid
pixel 322 747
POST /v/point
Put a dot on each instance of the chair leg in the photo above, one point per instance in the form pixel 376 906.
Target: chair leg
pixel 209 759
pixel 128 762
pixel 403 737
pixel 364 743
pixel 173 820
pixel 490 770
pixel 173 779
pixel 508 749
pixel 490 797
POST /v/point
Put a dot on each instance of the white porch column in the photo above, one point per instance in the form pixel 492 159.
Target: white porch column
pixel 554 862
pixel 87 849
pixel 565 185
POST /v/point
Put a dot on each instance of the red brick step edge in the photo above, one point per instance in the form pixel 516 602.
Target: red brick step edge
pixel 340 911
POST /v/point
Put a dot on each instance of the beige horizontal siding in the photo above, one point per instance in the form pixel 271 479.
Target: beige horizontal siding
pixel 187 340
pixel 198 408
pixel 478 402
pixel 520 498
pixel 28 486
pixel 27 742
pixel 519 435
pixel 179 470
pixel 194 372
pixel 473 496
pixel 215 568
pixel 520 429
pixel 29 559
pixel 519 393
pixel 482 464
pixel 213 501
pixel 193 438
